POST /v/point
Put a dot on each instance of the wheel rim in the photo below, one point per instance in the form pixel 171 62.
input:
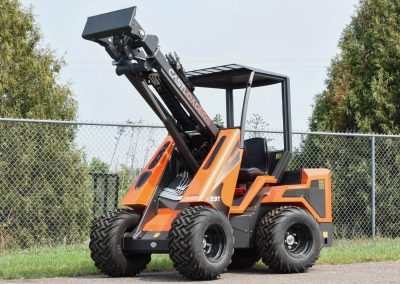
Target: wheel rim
pixel 214 243
pixel 298 240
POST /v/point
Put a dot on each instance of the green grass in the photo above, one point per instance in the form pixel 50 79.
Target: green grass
pixel 357 251
pixel 74 260
pixel 67 261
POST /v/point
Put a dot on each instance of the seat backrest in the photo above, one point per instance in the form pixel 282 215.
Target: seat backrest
pixel 255 154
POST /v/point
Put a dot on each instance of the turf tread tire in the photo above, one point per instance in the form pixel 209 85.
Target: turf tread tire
pixel 267 245
pixel 190 264
pixel 105 244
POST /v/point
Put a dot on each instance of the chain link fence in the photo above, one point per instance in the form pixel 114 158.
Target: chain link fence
pixel 55 177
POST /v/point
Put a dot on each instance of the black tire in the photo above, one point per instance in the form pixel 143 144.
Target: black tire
pixel 289 240
pixel 106 244
pixel 244 258
pixel 201 243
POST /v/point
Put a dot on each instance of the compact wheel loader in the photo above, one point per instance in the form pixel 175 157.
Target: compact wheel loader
pixel 208 197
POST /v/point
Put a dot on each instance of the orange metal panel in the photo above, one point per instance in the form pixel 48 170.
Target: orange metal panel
pixel 140 197
pixel 162 221
pixel 275 195
pixel 223 169
pixel 255 188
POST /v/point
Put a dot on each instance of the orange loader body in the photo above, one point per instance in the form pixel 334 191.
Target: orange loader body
pixel 209 197
pixel 221 167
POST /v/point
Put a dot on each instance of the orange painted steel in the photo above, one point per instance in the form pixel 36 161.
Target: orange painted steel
pixel 255 188
pixel 162 221
pixel 140 197
pixel 275 195
pixel 220 169
pixel 224 169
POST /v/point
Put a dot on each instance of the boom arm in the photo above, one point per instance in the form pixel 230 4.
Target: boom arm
pixel 138 57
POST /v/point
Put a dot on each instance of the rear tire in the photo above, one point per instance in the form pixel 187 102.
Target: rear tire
pixel 244 258
pixel 201 243
pixel 289 240
pixel 106 244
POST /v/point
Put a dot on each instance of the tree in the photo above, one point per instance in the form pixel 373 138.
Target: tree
pixel 362 89
pixel 44 196
pixel 98 166
pixel 28 85
pixel 218 120
pixel 257 125
pixel 362 95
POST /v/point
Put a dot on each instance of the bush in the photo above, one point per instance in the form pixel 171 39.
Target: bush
pixel 45 195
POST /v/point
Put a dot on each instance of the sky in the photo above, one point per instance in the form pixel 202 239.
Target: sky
pixel 297 38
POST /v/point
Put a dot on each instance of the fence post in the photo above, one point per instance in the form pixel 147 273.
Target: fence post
pixel 373 186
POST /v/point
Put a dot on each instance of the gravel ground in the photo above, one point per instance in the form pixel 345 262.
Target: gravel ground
pixel 374 272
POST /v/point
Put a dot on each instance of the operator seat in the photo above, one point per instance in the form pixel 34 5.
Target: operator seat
pixel 255 159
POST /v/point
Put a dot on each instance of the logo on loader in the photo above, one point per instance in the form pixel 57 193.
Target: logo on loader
pixel 155 79
pixel 193 101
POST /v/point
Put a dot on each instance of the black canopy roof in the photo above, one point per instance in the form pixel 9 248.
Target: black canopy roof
pixel 232 76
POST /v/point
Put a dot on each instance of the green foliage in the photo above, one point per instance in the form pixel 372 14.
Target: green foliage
pixel 362 95
pixel 100 171
pixel 28 87
pixel 349 160
pixel 98 166
pixel 218 120
pixel 44 196
pixel 360 251
pixel 44 186
pixel 363 90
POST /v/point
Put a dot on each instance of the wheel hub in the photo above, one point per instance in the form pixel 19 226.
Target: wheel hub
pixel 204 242
pixel 214 243
pixel 290 240
pixel 298 240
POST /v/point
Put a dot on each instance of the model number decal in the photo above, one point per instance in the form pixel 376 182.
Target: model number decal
pixel 214 198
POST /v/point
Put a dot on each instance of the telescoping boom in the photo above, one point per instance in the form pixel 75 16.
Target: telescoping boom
pixel 137 55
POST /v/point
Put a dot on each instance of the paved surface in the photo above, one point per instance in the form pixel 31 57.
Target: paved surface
pixel 378 272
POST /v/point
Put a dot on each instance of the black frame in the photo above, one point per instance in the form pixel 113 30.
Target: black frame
pixel 223 77
pixel 230 120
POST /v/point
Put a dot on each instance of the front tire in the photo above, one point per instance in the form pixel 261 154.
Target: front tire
pixel 106 244
pixel 289 240
pixel 201 243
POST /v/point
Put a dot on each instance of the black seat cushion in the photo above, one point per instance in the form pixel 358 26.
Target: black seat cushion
pixel 255 159
pixel 249 174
